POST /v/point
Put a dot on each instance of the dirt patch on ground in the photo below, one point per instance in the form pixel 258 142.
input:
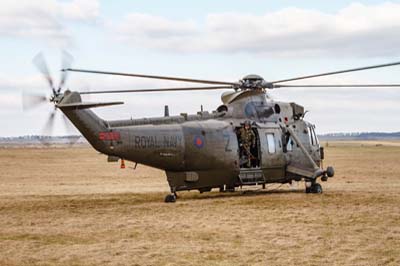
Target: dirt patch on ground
pixel 71 207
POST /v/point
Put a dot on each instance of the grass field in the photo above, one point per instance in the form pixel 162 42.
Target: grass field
pixel 71 207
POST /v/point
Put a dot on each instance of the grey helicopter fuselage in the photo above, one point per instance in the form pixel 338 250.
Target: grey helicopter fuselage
pixel 202 151
pixel 208 150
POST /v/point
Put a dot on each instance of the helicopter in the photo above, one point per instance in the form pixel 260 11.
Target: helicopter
pixel 204 151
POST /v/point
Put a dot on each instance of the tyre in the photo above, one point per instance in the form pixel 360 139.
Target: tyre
pixel 316 188
pixel 170 198
pixel 330 171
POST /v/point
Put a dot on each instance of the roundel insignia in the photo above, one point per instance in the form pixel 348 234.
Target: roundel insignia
pixel 198 142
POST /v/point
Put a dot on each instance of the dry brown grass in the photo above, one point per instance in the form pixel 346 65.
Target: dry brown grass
pixel 69 207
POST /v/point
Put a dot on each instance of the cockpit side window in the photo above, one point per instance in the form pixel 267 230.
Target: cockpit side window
pixel 313 137
pixel 316 141
pixel 310 135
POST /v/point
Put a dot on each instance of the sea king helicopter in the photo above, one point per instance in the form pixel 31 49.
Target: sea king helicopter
pixel 206 150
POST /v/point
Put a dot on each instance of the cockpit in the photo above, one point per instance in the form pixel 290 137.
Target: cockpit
pixel 312 135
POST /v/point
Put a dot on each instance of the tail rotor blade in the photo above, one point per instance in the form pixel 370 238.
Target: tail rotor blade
pixel 71 131
pixel 48 127
pixel 30 101
pixel 67 61
pixel 40 62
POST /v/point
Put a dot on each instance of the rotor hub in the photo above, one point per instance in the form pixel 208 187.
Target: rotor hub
pixel 254 82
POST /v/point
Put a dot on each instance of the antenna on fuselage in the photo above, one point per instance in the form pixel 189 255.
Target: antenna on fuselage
pixel 166 111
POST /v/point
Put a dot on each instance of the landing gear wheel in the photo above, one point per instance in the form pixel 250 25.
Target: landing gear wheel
pixel 316 188
pixel 170 198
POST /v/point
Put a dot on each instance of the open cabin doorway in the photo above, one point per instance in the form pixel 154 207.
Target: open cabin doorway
pixel 249 154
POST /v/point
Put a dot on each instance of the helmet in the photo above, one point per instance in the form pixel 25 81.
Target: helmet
pixel 247 123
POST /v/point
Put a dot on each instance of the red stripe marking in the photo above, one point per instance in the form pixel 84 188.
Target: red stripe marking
pixel 109 136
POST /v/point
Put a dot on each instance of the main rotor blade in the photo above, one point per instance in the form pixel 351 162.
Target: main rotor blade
pixel 40 62
pixel 339 86
pixel 67 60
pixel 161 90
pixel 30 101
pixel 338 72
pixel 153 77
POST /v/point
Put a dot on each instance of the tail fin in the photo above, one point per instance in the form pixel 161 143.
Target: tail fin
pixel 85 120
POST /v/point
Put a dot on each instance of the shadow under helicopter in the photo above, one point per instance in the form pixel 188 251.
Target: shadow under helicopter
pixel 238 193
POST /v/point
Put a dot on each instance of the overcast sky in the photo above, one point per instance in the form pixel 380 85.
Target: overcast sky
pixel 222 40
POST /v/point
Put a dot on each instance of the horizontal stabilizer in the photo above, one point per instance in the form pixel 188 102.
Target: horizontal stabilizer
pixel 85 105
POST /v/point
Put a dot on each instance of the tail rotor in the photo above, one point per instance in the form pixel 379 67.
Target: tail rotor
pixel 30 101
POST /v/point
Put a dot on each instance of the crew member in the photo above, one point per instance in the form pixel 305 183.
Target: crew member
pixel 248 141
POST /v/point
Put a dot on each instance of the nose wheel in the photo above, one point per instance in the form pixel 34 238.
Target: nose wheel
pixel 315 188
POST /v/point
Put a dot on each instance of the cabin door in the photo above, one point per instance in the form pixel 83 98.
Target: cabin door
pixel 273 158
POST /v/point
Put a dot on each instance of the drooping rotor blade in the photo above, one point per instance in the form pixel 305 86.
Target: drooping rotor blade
pixel 161 90
pixel 67 60
pixel 337 72
pixel 339 86
pixel 30 101
pixel 153 77
pixel 40 62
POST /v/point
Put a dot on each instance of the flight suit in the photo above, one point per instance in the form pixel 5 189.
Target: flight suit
pixel 248 140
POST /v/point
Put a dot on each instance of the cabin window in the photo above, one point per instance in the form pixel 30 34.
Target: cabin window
pixel 271 143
